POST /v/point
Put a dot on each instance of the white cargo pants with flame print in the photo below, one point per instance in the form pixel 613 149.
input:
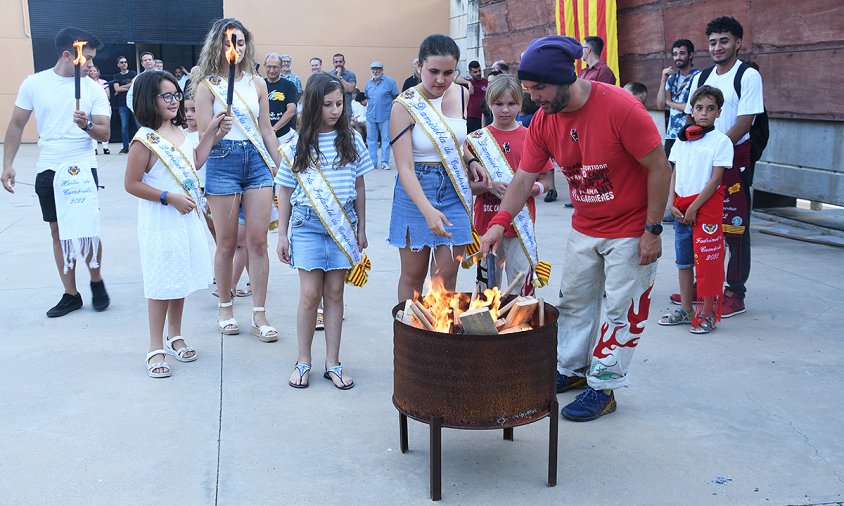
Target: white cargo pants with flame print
pixel 589 343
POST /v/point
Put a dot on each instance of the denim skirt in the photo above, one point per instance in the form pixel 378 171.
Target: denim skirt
pixel 234 167
pixel 311 246
pixel 408 225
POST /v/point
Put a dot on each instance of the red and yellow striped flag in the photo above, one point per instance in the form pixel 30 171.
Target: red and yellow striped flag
pixel 582 18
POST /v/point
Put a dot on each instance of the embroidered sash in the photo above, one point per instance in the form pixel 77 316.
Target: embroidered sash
pixel 180 166
pixel 708 243
pixel 331 213
pixel 445 142
pixel 244 118
pixel 493 159
pixel 77 213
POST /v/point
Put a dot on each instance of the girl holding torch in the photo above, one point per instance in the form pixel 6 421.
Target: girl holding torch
pixel 241 166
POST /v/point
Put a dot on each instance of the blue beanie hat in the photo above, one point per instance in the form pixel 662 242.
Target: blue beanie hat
pixel 550 60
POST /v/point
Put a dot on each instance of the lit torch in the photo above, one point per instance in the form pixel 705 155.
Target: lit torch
pixel 77 68
pixel 231 57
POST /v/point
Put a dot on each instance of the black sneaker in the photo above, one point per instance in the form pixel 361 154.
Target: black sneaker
pixel 566 383
pixel 67 304
pixel 100 298
pixel 551 196
pixel 123 151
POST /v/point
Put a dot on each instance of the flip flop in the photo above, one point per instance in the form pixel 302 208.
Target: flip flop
pixel 337 370
pixel 303 370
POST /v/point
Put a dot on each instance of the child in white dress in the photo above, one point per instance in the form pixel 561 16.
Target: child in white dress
pixel 161 171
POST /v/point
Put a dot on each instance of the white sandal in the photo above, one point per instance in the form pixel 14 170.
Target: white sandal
pixel 158 365
pixel 227 327
pixel 181 352
pixel 266 333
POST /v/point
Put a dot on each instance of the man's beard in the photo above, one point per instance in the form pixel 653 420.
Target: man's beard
pixel 561 100
pixel 683 64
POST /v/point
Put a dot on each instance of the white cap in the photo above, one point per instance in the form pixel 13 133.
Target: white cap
pixel 376 65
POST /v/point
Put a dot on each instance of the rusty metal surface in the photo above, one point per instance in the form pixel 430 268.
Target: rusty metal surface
pixel 475 382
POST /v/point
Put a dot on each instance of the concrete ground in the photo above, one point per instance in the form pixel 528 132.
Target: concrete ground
pixel 750 414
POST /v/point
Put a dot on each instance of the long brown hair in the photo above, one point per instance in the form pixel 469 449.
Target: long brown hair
pixel 211 58
pixel 307 147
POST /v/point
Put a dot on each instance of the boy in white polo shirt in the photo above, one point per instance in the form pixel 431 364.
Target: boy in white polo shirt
pixel 701 155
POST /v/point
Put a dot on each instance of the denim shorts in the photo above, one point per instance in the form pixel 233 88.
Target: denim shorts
pixel 408 225
pixel 311 246
pixel 683 248
pixel 234 167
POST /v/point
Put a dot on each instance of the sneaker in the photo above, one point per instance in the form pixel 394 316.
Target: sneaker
pixel 123 151
pixel 732 306
pixel 569 205
pixel 100 298
pixel 566 383
pixel 320 321
pixel 67 304
pixel 551 196
pixel 590 405
pixel 106 151
pixel 704 326
pixel 385 166
pixel 678 317
pixel 675 299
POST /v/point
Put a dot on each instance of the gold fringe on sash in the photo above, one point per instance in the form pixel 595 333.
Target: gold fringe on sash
pixel 358 275
pixel 471 256
pixel 543 273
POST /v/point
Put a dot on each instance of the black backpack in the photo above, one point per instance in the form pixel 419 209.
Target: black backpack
pixel 759 132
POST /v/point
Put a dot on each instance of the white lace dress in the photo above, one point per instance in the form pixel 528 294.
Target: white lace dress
pixel 175 258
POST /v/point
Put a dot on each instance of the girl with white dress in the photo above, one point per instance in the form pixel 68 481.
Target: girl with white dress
pixel 161 171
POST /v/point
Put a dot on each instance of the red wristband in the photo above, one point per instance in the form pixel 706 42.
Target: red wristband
pixel 502 217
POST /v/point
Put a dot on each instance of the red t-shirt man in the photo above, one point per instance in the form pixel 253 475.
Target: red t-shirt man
pixel 597 147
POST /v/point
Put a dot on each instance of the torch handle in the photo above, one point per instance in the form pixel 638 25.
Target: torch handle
pixel 228 109
pixel 77 104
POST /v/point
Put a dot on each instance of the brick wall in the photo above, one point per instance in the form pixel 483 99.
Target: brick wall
pixel 798 46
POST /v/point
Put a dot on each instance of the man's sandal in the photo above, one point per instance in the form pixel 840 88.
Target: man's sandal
pixel 303 369
pixel 181 352
pixel 158 365
pixel 337 370
pixel 227 327
pixel 266 333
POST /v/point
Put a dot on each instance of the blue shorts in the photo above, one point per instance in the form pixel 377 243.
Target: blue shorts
pixel 408 225
pixel 311 246
pixel 234 167
pixel 683 248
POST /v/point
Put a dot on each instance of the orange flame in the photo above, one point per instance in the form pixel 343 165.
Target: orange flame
pixel 446 307
pixel 231 52
pixel 80 58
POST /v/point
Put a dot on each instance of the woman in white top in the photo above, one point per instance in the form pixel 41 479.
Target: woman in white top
pixel 430 220
pixel 240 167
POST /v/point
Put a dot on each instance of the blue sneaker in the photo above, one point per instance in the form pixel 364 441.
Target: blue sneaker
pixel 590 405
pixel 566 383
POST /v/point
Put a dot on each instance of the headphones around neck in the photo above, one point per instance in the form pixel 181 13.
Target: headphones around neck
pixel 694 132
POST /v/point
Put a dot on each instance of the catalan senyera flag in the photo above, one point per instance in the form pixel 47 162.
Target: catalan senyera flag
pixel 582 18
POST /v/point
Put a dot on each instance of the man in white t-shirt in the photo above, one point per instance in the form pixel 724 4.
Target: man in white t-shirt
pixel 730 75
pixel 65 135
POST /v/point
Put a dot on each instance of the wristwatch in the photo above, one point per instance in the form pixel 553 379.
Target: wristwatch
pixel 163 198
pixel 654 228
pixel 89 126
